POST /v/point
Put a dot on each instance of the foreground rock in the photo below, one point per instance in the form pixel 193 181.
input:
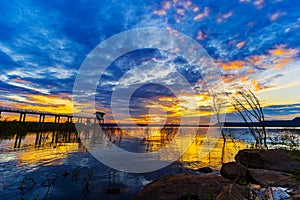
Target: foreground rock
pixel 231 192
pixel 192 186
pixel 205 170
pixel 296 194
pixel 265 178
pixel 236 172
pixel 272 159
pixel 273 167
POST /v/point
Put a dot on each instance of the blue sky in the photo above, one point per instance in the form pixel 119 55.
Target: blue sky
pixel 43 44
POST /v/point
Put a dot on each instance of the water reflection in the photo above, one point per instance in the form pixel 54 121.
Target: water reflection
pixel 60 156
pixel 152 139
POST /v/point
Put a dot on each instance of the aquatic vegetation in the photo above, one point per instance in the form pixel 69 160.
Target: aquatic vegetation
pixel 249 108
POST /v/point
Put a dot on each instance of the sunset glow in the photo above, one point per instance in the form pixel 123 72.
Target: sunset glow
pixel 254 44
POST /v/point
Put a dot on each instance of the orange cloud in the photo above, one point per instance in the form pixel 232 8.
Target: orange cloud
pixel 227 15
pixel 167 5
pixel 224 16
pixel 61 103
pixel 244 78
pixel 251 71
pixel 274 16
pixel 167 99
pixel 201 15
pixel 240 44
pixel 256 86
pixel 233 65
pixel 282 56
pixel 281 50
pixel 180 11
pixel 201 35
pixel 19 80
pixel 228 79
pixel 256 60
pixel 259 4
pixel 175 107
pixel 159 12
pixel 279 66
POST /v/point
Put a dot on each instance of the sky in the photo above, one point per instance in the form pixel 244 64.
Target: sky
pixel 254 43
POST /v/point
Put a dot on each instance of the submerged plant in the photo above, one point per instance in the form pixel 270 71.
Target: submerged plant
pixel 249 108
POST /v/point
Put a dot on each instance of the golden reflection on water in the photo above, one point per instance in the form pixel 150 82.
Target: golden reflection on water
pixel 157 138
pixel 215 157
pixel 36 149
pixel 52 148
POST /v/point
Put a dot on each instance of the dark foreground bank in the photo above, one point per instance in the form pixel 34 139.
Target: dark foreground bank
pixel 254 175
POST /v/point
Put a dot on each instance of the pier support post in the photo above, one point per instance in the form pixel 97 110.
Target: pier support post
pixel 69 119
pixel 22 117
pixel 40 120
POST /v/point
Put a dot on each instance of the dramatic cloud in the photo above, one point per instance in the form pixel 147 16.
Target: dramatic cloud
pixel 43 43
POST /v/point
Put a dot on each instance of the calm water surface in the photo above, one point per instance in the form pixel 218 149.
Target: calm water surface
pixel 56 165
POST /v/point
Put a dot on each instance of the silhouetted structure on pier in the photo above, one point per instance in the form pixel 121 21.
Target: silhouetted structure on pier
pixel 100 117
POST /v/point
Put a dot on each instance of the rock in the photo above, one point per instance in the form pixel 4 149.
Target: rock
pixel 113 190
pixel 265 177
pixel 295 154
pixel 188 197
pixel 187 186
pixel 205 170
pixel 296 197
pixel 272 159
pixel 296 194
pixel 236 172
pixel 232 192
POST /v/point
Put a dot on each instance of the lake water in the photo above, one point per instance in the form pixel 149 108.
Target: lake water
pixel 57 164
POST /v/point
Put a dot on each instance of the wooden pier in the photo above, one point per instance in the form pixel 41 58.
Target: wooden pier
pixel 42 115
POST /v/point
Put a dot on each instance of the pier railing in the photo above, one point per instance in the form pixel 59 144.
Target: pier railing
pixel 42 115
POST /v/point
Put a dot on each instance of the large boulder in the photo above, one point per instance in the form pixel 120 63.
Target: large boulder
pixel 189 186
pixel 236 172
pixel 266 178
pixel 205 170
pixel 272 159
pixel 232 192
pixel 296 194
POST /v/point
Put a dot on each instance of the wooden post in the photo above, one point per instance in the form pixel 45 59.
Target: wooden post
pixel 37 138
pixel 24 116
pixel 21 116
pixel 16 141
